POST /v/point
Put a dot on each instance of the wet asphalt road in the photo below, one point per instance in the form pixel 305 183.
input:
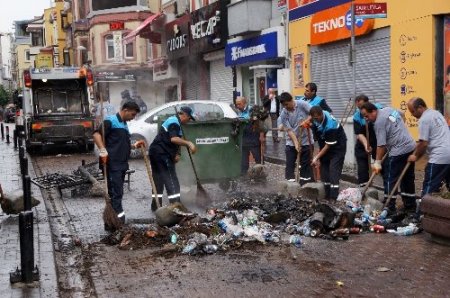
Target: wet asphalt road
pixel 415 266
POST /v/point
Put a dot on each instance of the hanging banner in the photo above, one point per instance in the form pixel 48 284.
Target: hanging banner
pixel 117 42
pixel 298 71
pixel 447 69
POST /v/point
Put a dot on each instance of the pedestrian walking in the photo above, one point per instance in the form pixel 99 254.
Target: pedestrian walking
pixel 271 103
pixel 434 138
pixel 164 152
pixel 253 135
pixel 293 113
pixel 114 147
pixel 366 141
pixel 313 99
pixel 333 146
pixel 392 138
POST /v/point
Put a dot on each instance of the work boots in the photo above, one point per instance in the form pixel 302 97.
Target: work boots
pixel 154 205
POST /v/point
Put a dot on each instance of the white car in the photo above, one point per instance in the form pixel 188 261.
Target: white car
pixel 146 126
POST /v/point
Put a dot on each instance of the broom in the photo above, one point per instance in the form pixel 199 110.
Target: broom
pixel 109 214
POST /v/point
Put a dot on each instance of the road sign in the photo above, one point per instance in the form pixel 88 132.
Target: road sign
pixel 371 10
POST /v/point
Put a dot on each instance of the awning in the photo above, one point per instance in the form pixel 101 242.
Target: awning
pixel 144 30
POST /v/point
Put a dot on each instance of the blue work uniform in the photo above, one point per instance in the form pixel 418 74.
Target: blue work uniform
pixel 362 158
pixel 318 101
pixel 330 132
pixel 118 145
pixel 162 154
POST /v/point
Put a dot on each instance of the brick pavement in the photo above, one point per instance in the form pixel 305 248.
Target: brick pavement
pixel 10 180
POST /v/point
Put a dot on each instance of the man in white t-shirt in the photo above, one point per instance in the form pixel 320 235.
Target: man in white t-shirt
pixel 434 138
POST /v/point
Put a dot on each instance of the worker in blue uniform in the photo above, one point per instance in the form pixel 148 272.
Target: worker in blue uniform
pixel 164 152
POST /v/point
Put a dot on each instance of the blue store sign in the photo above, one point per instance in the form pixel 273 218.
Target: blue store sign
pixel 253 49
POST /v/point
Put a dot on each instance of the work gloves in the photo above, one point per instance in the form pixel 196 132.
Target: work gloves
pixel 376 166
pixel 139 144
pixel 103 156
pixel 305 124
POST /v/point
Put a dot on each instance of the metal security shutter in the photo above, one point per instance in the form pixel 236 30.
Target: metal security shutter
pixel 331 71
pixel 221 81
pixel 196 78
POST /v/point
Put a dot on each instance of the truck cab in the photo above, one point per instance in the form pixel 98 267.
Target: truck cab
pixel 57 107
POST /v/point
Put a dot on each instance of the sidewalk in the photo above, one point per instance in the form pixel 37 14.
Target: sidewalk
pixel 10 179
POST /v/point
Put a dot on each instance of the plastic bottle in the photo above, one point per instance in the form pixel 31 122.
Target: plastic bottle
pixel 173 238
pixel 189 247
pixel 383 214
pixel 377 229
pixel 222 225
pixel 407 231
pixel 296 240
pixel 210 248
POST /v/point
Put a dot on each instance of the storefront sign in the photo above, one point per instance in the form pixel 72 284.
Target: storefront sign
pixel 447 69
pixel 371 10
pixel 108 76
pixel 303 8
pixel 113 26
pixel 252 49
pixel 335 24
pixel 209 28
pixel 44 60
pixel 177 34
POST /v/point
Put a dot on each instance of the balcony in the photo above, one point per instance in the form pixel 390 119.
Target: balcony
pixel 249 16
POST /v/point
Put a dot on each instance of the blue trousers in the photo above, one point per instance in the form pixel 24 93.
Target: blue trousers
pixel 393 167
pixel 115 189
pixel 435 176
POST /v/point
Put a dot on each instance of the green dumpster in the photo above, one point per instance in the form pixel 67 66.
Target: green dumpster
pixel 218 156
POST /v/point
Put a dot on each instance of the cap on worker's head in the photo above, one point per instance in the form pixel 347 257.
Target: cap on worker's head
pixel 188 111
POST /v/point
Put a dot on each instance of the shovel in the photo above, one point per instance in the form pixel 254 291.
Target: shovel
pixel 372 176
pixel 168 215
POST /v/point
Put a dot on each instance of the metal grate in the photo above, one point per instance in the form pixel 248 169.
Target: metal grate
pixel 57 180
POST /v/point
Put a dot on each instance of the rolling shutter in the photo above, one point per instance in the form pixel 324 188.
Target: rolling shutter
pixel 221 81
pixel 331 71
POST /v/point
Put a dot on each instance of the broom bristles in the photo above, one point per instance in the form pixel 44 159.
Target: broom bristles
pixel 110 217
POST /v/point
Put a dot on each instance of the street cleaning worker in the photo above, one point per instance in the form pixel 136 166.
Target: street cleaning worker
pixel 393 137
pixel 313 99
pixel 434 138
pixel 363 147
pixel 333 146
pixel 115 152
pixel 253 136
pixel 164 152
pixel 293 113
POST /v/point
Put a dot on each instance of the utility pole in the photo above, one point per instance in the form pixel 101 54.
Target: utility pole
pixel 353 48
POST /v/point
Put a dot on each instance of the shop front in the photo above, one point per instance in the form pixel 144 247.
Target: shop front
pixel 256 60
pixel 395 58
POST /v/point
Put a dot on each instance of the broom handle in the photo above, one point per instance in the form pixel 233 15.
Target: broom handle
pixel 150 176
pixel 369 155
pixel 105 175
pixel 299 141
pixel 369 183
pixel 187 148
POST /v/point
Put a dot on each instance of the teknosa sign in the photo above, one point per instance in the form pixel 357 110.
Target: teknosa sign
pixel 335 24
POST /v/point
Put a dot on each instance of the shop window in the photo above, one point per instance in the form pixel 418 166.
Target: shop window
pixel 128 49
pixel 27 55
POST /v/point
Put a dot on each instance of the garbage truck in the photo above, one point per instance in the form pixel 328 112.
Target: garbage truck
pixel 57 107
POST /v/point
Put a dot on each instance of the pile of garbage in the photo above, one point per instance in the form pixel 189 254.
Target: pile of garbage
pixel 260 218
pixel 370 215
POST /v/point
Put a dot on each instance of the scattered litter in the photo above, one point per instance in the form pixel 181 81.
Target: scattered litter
pixel 339 283
pixel 383 269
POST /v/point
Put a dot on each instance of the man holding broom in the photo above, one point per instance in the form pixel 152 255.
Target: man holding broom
pixel 113 141
pixel 164 153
